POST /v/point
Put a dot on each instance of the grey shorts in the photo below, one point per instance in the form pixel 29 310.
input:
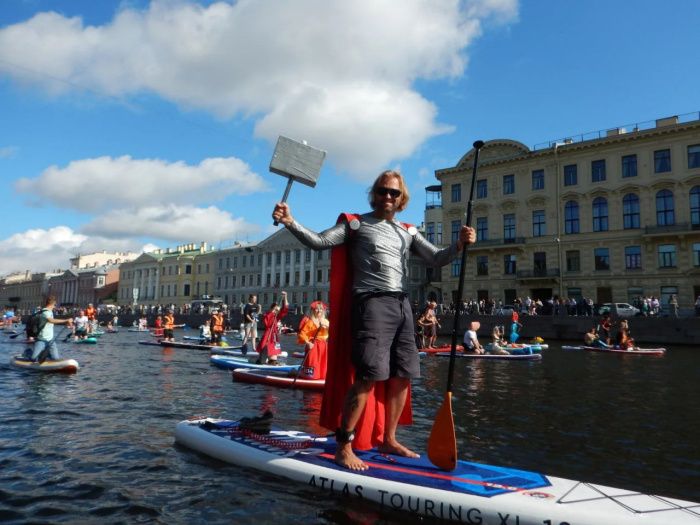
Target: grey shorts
pixel 384 342
pixel 251 330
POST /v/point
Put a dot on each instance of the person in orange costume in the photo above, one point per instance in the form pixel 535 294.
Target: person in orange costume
pixel 313 334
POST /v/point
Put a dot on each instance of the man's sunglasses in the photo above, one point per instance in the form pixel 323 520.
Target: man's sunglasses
pixel 383 192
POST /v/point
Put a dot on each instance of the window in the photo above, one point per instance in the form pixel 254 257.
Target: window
pixel 571 220
pixel 278 258
pixel 598 170
pixel 456 226
pixel 571 175
pixel 235 262
pixel 307 256
pixel 286 278
pixel 456 265
pixel 696 254
pixel 188 269
pixel 662 161
pixel 600 214
pixel 481 189
pixel 509 264
pixel 538 180
pixel 319 256
pixel 438 234
pixel 319 276
pixel 296 282
pixel 694 156
pixel 629 166
pixel 187 290
pixel 573 261
pixel 630 212
pixel 221 264
pixel 602 258
pixel 456 192
pixel 633 257
pixel 269 259
pixel 508 184
pixel 482 265
pixel 297 257
pixel 287 256
pixel 509 227
pixel 307 277
pixel 268 280
pixel 695 206
pixel 667 256
pixel 199 269
pixel 539 226
pixel 539 263
pixel 482 228
pixel 233 281
pixel 430 232
pixel 665 215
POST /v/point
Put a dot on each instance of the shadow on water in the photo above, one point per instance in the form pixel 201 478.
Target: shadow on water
pixel 98 445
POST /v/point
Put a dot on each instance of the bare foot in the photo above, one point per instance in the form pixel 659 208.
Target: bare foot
pixel 345 457
pixel 397 449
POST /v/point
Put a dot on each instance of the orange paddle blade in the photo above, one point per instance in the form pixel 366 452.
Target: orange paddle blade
pixel 442 444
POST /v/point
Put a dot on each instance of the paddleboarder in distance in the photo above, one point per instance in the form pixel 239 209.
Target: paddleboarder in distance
pixel 372 349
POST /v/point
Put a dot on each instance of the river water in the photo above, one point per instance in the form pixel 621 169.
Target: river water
pixel 98 447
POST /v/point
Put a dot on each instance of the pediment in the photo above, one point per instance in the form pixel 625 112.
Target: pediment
pixel 495 151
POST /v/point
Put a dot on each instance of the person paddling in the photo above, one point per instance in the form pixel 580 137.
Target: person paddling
pixel 45 339
pixel 372 349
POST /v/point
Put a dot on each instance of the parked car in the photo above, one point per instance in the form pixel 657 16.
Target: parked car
pixel 619 309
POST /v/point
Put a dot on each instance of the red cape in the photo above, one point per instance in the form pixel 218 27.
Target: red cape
pixel 369 431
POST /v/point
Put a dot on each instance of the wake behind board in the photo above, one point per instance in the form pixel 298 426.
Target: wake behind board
pixel 472 493
pixel 232 363
pixel 513 357
pixel 639 352
pixel 62 366
pixel 262 377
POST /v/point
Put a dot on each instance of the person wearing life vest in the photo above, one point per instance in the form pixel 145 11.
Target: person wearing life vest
pixel 217 327
pixel 91 314
pixel 372 350
pixel 168 326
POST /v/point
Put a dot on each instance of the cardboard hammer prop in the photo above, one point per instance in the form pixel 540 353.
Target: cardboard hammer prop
pixel 298 162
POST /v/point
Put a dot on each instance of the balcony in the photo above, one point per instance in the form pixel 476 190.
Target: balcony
pixel 488 243
pixel 673 229
pixel 541 274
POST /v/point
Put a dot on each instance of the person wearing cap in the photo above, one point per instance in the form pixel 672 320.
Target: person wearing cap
pixel 313 334
pixel 372 350
pixel 471 341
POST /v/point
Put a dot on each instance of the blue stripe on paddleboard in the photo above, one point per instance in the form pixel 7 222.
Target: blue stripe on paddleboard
pixel 470 478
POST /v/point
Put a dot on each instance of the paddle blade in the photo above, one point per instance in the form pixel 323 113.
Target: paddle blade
pixel 442 444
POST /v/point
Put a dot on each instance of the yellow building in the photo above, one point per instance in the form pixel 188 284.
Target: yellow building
pixel 611 216
pixel 165 277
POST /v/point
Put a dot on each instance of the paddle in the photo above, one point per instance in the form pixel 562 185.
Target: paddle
pixel 442 444
pixel 306 355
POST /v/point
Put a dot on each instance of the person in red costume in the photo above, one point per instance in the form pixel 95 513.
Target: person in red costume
pixel 372 354
pixel 268 348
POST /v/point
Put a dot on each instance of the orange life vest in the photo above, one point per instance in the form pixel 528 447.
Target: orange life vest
pixel 169 321
pixel 90 313
pixel 218 322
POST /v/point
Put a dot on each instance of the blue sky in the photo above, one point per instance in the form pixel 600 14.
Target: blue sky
pixel 135 124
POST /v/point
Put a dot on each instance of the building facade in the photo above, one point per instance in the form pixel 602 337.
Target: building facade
pixel 612 217
pixel 25 291
pixel 87 285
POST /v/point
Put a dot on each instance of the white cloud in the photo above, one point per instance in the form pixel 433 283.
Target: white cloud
pixel 39 250
pixel 126 182
pixel 8 152
pixel 171 223
pixel 337 73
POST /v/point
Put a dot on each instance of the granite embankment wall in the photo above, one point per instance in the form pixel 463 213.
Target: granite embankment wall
pixel 645 330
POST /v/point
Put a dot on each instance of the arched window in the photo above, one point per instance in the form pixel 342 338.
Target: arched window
pixel 600 214
pixel 571 220
pixel 665 215
pixel 630 211
pixel 695 206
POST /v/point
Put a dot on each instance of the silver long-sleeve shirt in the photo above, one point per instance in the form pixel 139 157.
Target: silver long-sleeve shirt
pixel 379 251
